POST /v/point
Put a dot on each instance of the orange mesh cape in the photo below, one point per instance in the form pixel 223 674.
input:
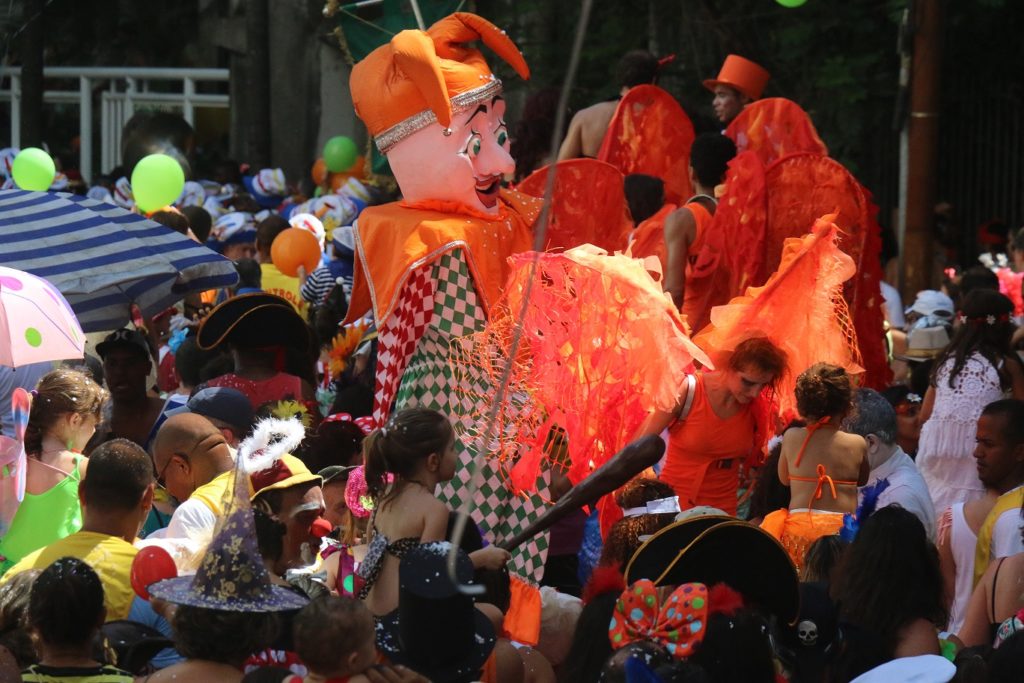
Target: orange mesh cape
pixel 650 133
pixel 800 309
pixel 588 205
pixel 602 347
pixel 761 209
pixel 773 128
pixel 804 186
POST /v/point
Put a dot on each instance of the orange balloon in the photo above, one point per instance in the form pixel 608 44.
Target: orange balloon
pixel 295 247
pixel 319 172
pixel 338 179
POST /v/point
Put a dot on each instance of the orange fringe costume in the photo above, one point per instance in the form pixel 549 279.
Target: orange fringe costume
pixel 651 134
pixel 778 184
pixel 585 363
pixel 588 205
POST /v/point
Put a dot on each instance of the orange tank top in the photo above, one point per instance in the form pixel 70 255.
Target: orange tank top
pixel 704 453
pixel 702 217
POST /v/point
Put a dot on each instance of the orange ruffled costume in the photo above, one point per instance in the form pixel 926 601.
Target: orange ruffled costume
pixel 800 309
pixel 651 134
pixel 588 204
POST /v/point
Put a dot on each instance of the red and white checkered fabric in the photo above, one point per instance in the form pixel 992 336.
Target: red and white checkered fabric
pixel 397 338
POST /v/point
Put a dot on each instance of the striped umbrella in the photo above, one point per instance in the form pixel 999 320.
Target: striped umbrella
pixel 102 258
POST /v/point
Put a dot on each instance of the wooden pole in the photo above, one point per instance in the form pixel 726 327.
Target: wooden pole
pixel 922 146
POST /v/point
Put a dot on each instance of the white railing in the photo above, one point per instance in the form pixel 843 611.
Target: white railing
pixel 124 90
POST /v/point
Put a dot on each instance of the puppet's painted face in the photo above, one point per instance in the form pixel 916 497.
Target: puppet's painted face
pixel 465 167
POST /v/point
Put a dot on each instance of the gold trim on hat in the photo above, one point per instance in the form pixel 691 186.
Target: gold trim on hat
pixel 460 103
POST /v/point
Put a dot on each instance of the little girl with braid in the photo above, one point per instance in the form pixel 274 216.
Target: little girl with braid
pixel 417 447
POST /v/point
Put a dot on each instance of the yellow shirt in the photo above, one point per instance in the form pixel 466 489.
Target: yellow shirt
pixel 273 281
pixel 109 556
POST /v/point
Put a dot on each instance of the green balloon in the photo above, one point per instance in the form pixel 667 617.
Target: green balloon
pixel 33 169
pixel 340 153
pixel 157 181
pixel 791 3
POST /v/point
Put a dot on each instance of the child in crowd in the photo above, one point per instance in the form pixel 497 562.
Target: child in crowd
pixel 65 612
pixel 65 410
pixel 335 639
pixel 822 465
pixel 16 649
pixel 976 369
pixel 417 446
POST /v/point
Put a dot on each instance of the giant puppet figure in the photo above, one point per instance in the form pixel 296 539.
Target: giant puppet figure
pixel 431 265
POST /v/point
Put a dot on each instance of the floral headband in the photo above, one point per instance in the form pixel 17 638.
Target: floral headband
pixel 678 625
pixel 988 319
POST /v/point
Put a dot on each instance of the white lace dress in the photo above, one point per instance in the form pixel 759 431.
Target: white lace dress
pixel 945 451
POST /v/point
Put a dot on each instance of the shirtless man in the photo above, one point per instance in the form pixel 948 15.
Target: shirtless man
pixel 739 83
pixel 588 126
pixel 684 227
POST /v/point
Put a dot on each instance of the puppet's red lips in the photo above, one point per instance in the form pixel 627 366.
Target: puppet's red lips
pixel 487 190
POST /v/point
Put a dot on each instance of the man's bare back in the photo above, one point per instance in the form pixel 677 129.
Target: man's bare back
pixel 587 130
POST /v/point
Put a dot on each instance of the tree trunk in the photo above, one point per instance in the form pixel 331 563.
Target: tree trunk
pixel 922 146
pixel 32 74
pixel 256 82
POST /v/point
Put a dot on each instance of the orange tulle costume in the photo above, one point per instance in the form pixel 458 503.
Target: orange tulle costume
pixel 588 204
pixel 587 360
pixel 800 309
pixel 651 134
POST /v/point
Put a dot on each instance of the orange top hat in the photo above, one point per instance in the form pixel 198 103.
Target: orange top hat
pixel 742 74
pixel 425 77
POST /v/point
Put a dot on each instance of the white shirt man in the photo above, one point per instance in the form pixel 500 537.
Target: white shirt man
pixel 875 420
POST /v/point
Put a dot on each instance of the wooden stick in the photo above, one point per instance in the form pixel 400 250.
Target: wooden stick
pixel 620 468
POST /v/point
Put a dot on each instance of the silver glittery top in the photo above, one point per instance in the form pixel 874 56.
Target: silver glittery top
pixel 460 103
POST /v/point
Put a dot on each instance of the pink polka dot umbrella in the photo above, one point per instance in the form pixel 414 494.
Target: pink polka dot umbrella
pixel 36 323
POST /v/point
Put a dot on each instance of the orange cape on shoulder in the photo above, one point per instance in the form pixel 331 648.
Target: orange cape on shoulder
pixel 395 239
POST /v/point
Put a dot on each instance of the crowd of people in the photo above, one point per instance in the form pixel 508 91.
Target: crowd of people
pixel 262 483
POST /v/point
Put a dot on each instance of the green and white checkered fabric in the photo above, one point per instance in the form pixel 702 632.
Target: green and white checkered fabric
pixel 428 382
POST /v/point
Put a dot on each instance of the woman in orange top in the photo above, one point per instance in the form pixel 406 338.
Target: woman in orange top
pixel 716 425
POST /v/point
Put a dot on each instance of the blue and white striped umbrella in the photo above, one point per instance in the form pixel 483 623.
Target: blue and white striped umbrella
pixel 102 258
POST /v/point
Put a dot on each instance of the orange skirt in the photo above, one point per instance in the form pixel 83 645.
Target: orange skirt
pixel 797 530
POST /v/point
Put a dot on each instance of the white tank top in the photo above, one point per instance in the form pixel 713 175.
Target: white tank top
pixel 962 542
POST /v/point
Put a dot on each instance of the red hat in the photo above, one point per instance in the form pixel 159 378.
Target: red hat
pixel 425 77
pixel 740 74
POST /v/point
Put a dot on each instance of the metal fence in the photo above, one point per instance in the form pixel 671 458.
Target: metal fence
pixel 118 92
